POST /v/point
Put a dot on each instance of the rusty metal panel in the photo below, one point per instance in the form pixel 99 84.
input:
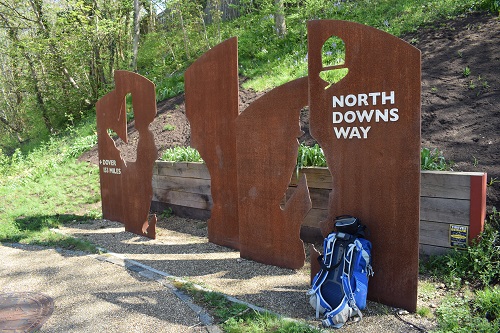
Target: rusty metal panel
pixel 267 149
pixel 126 187
pixel 373 156
pixel 211 86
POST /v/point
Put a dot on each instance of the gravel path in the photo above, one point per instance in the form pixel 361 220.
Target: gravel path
pixel 129 288
pixel 181 249
pixel 93 295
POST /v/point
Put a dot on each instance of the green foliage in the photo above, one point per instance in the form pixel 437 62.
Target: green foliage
pixel 238 318
pixel 169 87
pixel 466 71
pixel 166 213
pixel 168 127
pixel 255 322
pixel 30 162
pixel 310 156
pixel 488 303
pixel 433 160
pixel 181 154
pixel 269 60
pixel 36 230
pixel 478 264
pixel 63 67
pixel 492 5
pixel 58 65
pixel 39 187
pixel 216 303
pixel 424 312
pixel 81 145
pixel 467 313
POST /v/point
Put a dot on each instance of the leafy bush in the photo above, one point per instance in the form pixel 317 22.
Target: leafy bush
pixel 81 145
pixel 433 160
pixel 488 303
pixel 310 156
pixel 181 154
pixel 168 87
pixel 478 264
pixel 493 6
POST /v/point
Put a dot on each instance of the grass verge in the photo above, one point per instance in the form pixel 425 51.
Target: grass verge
pixel 239 318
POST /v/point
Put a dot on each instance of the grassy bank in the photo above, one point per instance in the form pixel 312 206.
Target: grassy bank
pixel 46 187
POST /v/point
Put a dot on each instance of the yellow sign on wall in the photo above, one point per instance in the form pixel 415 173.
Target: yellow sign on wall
pixel 459 235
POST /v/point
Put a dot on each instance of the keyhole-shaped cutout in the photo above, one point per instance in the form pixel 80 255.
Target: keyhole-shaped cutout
pixel 333 60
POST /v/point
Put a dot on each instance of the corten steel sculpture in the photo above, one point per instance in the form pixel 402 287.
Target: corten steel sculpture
pixel 368 125
pixel 211 85
pixel 267 149
pixel 126 187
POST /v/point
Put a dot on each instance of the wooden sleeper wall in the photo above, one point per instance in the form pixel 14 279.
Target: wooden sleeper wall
pixel 446 198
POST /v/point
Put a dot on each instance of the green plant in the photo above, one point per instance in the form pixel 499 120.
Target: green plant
pixel 493 6
pixel 166 213
pixel 256 322
pixel 487 303
pixel 476 161
pixel 433 160
pixel 168 127
pixel 81 145
pixel 310 156
pixel 216 303
pixel 181 154
pixel 471 312
pixel 478 264
pixel 493 181
pixel 41 185
pixel 494 219
pixel 466 71
pixel 424 311
pixel 238 318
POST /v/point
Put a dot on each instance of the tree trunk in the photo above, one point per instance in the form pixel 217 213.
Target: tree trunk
pixel 279 18
pixel 135 42
pixel 184 32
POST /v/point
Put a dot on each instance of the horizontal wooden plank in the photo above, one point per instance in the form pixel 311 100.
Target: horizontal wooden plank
pixel 184 184
pixel 194 200
pixel 432 250
pixel 316 178
pixel 454 211
pixel 181 211
pixel 454 185
pixel 182 169
pixel 435 233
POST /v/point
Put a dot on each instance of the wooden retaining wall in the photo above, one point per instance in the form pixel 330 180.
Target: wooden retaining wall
pixel 452 204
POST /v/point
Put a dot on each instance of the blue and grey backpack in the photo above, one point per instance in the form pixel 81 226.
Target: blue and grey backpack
pixel 339 290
